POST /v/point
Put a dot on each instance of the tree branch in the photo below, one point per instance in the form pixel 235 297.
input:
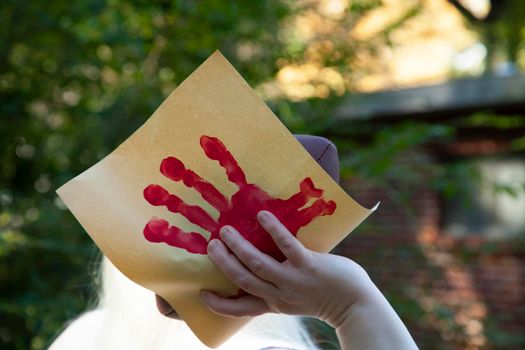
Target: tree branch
pixel 465 12
pixel 495 11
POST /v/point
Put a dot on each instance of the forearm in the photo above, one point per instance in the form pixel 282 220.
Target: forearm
pixel 372 323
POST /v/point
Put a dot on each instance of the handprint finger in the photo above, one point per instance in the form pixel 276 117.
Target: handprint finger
pixel 237 272
pixel 159 230
pixel 216 150
pixel 256 261
pixel 247 306
pixel 175 170
pixel 159 196
pixel 290 246
pixel 307 191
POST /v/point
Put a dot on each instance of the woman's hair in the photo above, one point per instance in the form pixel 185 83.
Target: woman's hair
pixel 126 317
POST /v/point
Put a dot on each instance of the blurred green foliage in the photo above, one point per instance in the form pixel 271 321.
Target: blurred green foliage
pixel 77 78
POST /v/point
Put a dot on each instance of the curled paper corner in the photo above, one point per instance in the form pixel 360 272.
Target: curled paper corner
pixel 374 208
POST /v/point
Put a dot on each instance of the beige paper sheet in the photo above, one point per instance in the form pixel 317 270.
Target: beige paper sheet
pixel 108 200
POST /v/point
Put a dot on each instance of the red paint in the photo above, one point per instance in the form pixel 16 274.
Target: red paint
pixel 240 211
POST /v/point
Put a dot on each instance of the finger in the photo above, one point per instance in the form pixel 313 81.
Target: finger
pixel 247 306
pixel 290 246
pixel 165 308
pixel 237 272
pixel 256 261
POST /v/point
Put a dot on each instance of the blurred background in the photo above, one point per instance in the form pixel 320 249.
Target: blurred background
pixel 425 100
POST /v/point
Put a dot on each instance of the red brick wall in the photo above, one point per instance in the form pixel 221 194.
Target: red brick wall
pixel 453 294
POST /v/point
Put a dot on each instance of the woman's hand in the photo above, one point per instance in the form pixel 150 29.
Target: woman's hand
pixel 325 286
pixel 308 283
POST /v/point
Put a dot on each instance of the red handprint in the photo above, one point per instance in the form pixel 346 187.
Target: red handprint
pixel 240 211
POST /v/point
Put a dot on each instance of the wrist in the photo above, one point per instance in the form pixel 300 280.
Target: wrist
pixel 358 292
pixel 360 307
pixel 372 323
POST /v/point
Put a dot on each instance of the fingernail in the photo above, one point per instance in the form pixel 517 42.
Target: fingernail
pixel 212 245
pixel 226 232
pixel 263 216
